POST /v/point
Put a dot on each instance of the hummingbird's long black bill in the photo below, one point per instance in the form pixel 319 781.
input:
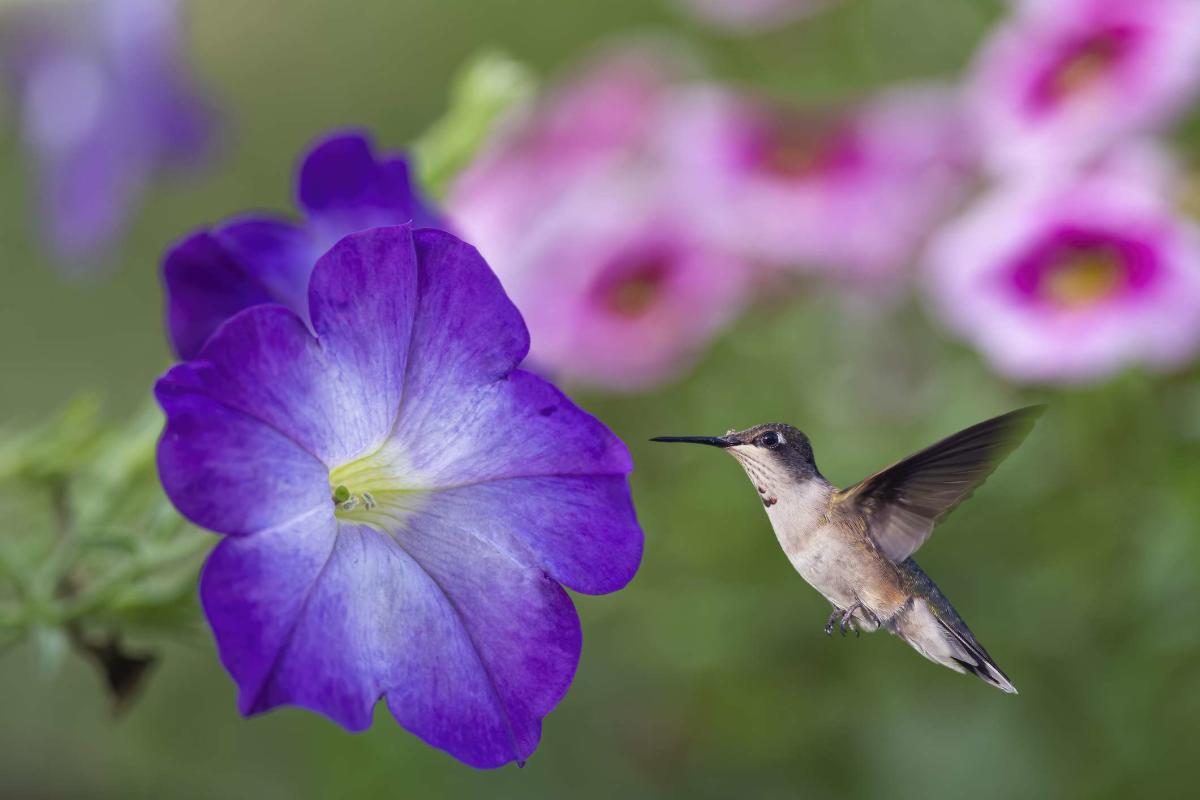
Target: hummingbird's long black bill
pixel 715 441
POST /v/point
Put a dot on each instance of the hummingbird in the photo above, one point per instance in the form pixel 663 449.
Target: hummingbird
pixel 855 545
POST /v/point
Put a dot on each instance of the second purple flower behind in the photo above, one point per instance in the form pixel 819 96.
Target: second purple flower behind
pixel 342 187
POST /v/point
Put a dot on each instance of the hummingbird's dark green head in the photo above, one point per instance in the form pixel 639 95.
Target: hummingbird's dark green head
pixel 771 449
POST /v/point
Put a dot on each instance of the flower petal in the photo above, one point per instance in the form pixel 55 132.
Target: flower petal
pixel 205 285
pixel 362 298
pixel 228 471
pixel 277 252
pixel 582 530
pixel 471 649
pixel 468 416
pixel 266 364
pixel 344 188
pixel 522 630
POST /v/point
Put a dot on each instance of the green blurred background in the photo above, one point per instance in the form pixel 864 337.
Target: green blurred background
pixel 1078 565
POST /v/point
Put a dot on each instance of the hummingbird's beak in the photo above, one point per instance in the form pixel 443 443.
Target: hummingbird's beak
pixel 715 441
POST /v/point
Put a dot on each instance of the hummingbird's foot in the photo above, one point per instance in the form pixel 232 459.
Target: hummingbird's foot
pixel 848 618
pixel 833 619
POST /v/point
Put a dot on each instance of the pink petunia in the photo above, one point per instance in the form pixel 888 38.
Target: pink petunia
pixel 852 191
pixel 620 282
pixel 1069 279
pixel 1062 80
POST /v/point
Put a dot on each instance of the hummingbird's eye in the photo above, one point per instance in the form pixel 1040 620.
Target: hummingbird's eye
pixel 770 440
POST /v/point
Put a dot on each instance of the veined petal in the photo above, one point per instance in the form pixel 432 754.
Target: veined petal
pixel 467 415
pixel 582 530
pixel 228 471
pixel 266 364
pixel 501 656
pixel 517 426
pixel 471 648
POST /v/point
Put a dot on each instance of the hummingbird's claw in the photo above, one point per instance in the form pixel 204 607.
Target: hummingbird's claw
pixel 848 619
pixel 833 618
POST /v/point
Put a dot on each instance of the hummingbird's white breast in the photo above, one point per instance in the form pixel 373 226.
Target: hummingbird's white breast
pixel 825 556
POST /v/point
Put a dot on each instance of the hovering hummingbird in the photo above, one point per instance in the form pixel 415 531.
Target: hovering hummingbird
pixel 854 545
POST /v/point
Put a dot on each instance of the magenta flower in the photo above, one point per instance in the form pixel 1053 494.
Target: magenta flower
pixel 620 282
pixel 852 192
pixel 619 287
pixel 105 101
pixel 400 504
pixel 750 16
pixel 342 188
pixel 1072 279
pixel 593 123
pixel 1062 80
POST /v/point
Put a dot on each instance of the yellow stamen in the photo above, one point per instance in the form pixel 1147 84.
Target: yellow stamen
pixel 1084 278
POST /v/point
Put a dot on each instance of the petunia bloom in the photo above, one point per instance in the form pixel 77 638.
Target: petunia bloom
pixel 620 287
pixel 342 187
pixel 1062 80
pixel 401 505
pixel 105 101
pixel 849 191
pixel 596 121
pixel 1072 279
pixel 620 282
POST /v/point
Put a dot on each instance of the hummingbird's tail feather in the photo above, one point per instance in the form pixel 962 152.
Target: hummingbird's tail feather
pixel 935 630
pixel 975 660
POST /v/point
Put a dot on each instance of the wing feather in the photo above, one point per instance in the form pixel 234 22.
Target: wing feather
pixel 904 502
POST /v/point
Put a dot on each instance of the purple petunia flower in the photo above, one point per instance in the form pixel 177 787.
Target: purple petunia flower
pixel 105 101
pixel 1071 279
pixel 1062 80
pixel 342 188
pixel 851 191
pixel 400 504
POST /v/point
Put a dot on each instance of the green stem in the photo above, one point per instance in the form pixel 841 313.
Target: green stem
pixel 94 596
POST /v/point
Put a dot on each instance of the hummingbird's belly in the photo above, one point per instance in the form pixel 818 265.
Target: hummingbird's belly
pixel 835 559
pixel 826 564
pixel 844 571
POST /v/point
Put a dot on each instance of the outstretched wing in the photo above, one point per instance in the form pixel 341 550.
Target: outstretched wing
pixel 904 502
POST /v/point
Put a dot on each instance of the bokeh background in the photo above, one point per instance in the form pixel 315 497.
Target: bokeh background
pixel 1078 565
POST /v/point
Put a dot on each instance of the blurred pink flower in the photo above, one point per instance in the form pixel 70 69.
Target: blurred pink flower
pixel 750 16
pixel 620 285
pixel 592 123
pixel 853 192
pixel 619 288
pixel 1061 80
pixel 1072 279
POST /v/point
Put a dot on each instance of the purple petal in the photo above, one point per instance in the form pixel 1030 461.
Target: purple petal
pixel 266 364
pixel 227 471
pixel 210 276
pixel 205 285
pixel 362 299
pixel 582 530
pixel 276 252
pixel 344 188
pixel 471 648
pixel 464 405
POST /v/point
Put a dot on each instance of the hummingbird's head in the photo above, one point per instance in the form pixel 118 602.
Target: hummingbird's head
pixel 773 454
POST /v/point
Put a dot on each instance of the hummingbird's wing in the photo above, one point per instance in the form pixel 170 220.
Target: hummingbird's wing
pixel 904 502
